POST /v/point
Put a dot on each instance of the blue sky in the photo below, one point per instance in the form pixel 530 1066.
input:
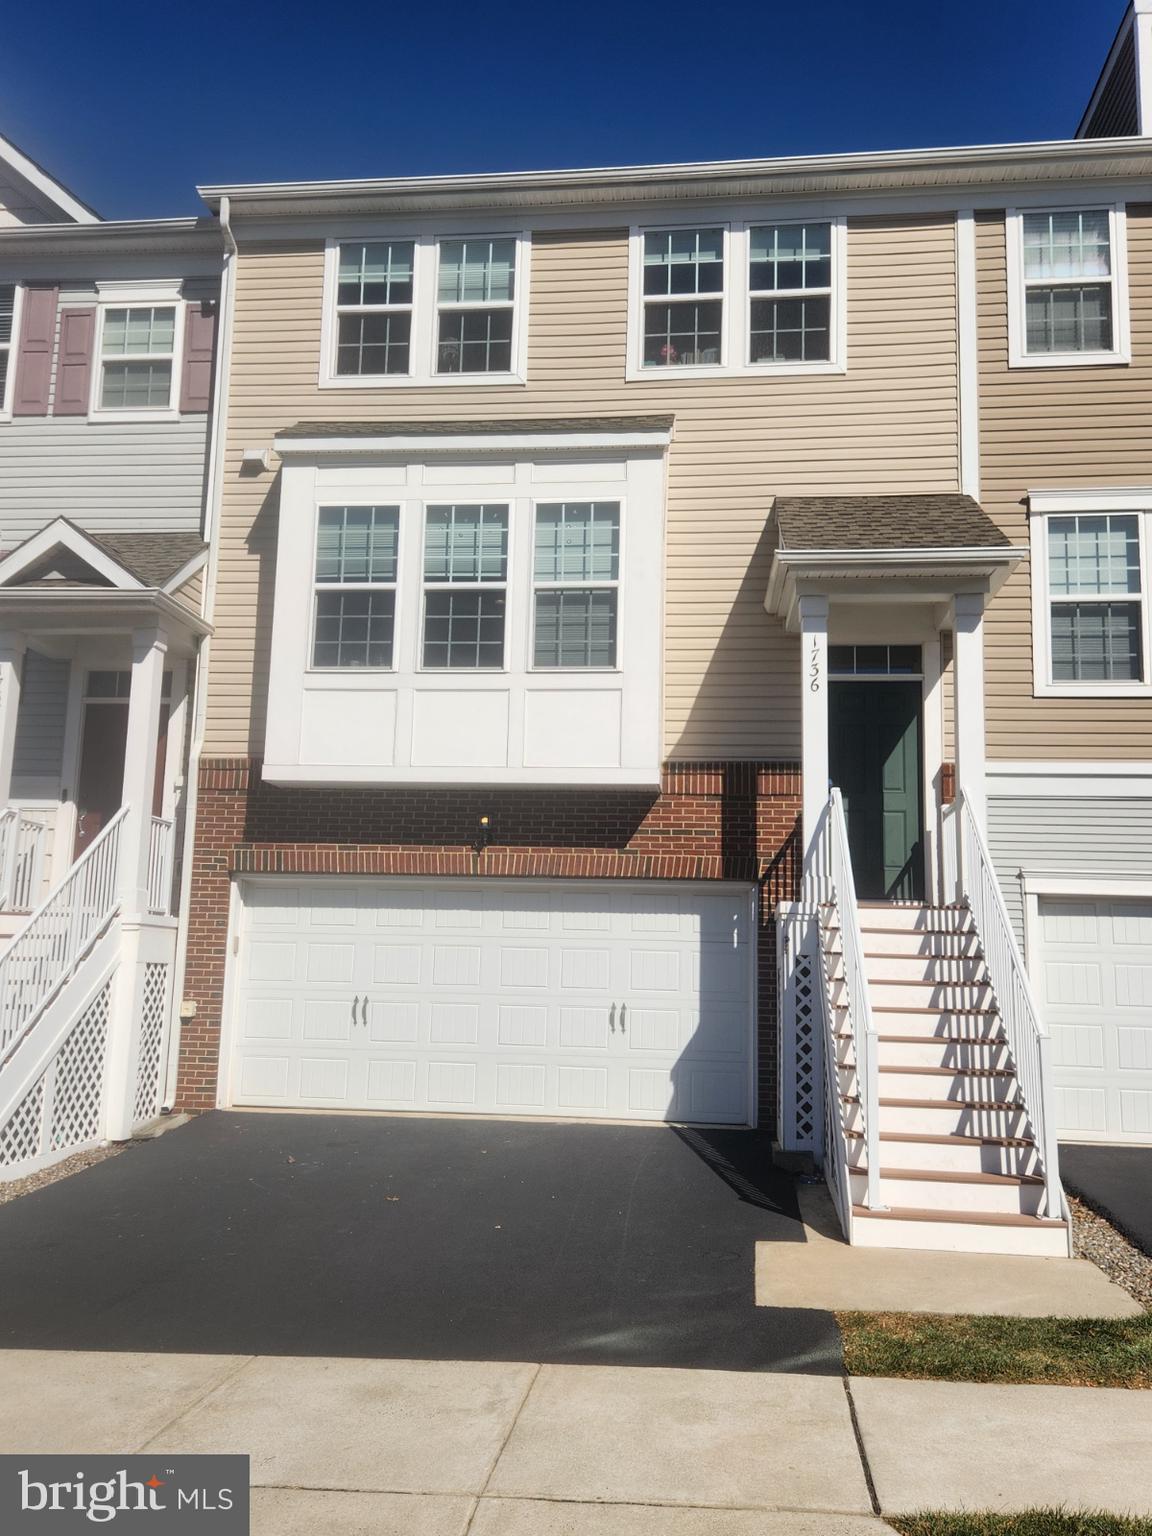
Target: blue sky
pixel 136 103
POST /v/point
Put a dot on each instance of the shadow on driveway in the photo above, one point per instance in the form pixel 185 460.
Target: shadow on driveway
pixel 1117 1181
pixel 418 1239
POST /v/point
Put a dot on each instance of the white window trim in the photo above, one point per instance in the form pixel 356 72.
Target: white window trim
pixel 425 311
pixel 616 586
pixel 13 352
pixel 505 586
pixel 1042 508
pixel 130 296
pixel 735 338
pixel 355 586
pixel 1121 352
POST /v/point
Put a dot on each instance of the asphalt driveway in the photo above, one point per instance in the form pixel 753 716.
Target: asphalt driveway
pixel 432 1239
pixel 1117 1181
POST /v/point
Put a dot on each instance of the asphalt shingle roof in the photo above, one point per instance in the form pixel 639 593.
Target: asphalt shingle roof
pixel 927 521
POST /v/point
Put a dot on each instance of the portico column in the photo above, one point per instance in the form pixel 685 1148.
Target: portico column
pixel 813 716
pixel 11 663
pixel 149 648
pixel 968 674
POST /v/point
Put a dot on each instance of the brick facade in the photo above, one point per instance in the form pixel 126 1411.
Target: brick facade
pixel 709 821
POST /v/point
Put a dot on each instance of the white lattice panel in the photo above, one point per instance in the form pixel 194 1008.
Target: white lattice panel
pixel 21 1135
pixel 801 1083
pixel 78 1077
pixel 149 1055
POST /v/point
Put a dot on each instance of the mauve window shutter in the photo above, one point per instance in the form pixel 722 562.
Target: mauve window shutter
pixel 199 346
pixel 34 364
pixel 74 365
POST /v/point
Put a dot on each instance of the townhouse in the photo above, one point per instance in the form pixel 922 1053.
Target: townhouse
pixel 676 650
pixel 106 378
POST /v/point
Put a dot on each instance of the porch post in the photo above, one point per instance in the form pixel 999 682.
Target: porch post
pixel 813 716
pixel 149 648
pixel 968 672
pixel 11 662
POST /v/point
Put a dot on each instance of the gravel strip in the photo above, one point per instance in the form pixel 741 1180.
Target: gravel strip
pixel 1095 1238
pixel 14 1188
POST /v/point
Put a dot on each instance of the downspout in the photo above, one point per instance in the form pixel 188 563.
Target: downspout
pixel 212 503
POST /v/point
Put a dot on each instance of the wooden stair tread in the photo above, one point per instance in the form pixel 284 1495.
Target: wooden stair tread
pixel 958 1218
pixel 935 1039
pixel 942 1013
pixel 886 1103
pixel 951 1071
pixel 951 1176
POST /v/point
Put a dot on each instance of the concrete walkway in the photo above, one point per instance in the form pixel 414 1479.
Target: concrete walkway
pixel 444 1448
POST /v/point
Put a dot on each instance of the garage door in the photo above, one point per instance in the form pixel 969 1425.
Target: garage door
pixel 1094 979
pixel 622 1002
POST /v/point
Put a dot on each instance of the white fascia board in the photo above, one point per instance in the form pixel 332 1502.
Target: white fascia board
pixel 527 443
pixel 589 179
pixel 84 608
pixel 38 178
pixel 1104 498
pixel 62 532
pixel 310 777
pixel 186 572
pixel 979 555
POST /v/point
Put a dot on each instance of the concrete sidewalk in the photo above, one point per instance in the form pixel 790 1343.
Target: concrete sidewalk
pixel 444 1448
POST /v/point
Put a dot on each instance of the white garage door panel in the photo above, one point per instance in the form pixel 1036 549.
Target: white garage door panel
pixel 1093 973
pixel 585 1000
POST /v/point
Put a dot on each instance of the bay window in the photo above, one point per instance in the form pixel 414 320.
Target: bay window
pixel 355 586
pixel 576 573
pixel 465 586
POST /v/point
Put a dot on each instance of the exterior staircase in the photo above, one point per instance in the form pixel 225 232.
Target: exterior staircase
pixel 960 1167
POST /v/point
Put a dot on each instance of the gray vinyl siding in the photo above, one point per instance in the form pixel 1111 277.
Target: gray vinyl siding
pixel 39 747
pixel 142 477
pixel 1067 835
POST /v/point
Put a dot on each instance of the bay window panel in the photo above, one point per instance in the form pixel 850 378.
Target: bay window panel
pixel 577 541
pixel 464 629
pixel 575 628
pixel 357 544
pixel 466 543
pixel 354 629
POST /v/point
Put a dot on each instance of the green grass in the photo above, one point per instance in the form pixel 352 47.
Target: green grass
pixel 1034 1522
pixel 1052 1351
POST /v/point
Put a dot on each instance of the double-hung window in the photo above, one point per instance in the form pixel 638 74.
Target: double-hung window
pixel 136 370
pixel 577 573
pixel 7 337
pixel 476 295
pixel 683 298
pixel 374 297
pixel 465 586
pixel 790 293
pixel 1095 598
pixel 1067 292
pixel 355 586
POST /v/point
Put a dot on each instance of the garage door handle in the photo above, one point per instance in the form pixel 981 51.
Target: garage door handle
pixel 623 1018
pixel 612 1018
pixel 355 1001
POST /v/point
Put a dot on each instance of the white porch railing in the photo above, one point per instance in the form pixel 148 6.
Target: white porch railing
pixel 58 934
pixel 160 845
pixel 832 885
pixel 1028 1040
pixel 23 847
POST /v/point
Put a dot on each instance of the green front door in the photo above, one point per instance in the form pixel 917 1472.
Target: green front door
pixel 874 760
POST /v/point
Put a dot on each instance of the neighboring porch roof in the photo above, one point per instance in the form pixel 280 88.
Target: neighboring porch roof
pixel 65 555
pixel 913 547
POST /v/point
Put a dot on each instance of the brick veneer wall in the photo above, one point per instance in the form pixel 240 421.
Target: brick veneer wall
pixel 709 821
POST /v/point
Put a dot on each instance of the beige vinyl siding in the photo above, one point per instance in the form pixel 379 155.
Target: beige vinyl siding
pixel 1056 427
pixel 731 672
pixel 191 592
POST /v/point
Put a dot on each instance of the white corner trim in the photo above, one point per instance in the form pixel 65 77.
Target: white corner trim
pixel 1121 351
pixel 967 332
pixel 1062 779
pixel 528 443
pixel 62 532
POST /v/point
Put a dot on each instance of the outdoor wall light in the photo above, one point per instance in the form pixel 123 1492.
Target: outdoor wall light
pixel 483 833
